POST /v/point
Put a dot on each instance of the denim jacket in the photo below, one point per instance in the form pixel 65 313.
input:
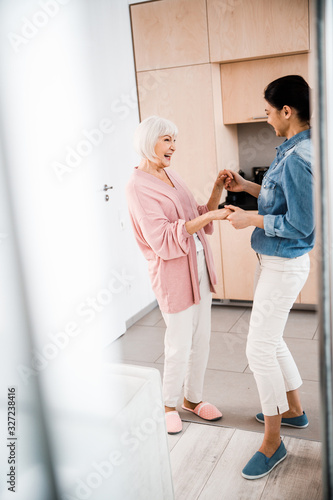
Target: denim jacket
pixel 286 201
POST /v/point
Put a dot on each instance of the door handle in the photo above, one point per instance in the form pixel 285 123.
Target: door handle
pixel 106 187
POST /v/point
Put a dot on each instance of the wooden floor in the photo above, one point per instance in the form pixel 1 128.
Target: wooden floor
pixel 207 461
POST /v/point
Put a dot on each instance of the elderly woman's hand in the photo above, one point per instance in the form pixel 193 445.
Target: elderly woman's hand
pixel 220 214
pixel 221 178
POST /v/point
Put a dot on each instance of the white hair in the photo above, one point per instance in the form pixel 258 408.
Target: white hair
pixel 148 133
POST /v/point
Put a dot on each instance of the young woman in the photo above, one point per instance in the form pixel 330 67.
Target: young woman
pixel 282 239
pixel 170 229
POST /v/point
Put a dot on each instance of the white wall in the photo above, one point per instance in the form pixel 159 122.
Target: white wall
pixel 112 52
pixel 68 66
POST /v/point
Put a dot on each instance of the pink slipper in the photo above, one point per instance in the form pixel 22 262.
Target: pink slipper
pixel 206 411
pixel 173 423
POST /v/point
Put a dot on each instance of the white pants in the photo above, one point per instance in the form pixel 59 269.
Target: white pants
pixel 187 345
pixel 277 284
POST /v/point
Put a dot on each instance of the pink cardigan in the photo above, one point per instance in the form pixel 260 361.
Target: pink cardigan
pixel 159 228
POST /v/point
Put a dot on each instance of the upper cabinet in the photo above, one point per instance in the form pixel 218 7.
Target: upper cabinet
pixel 246 29
pixel 172 33
pixel 169 34
pixel 243 85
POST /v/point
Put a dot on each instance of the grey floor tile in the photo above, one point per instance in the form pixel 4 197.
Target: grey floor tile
pixel 316 335
pixel 224 317
pixel 160 359
pixel 227 352
pixel 310 398
pixel 306 355
pixel 151 319
pixel 139 343
pixel 300 324
pixel 242 325
pixel 236 395
pixel 161 323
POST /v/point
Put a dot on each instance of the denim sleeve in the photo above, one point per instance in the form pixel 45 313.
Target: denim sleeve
pixel 297 184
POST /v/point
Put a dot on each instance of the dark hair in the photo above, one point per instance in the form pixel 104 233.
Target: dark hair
pixel 291 90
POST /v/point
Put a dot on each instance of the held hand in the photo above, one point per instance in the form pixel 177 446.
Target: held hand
pixel 234 182
pixel 238 217
pixel 220 214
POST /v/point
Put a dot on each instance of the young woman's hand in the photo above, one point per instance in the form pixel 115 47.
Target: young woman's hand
pixel 238 218
pixel 233 181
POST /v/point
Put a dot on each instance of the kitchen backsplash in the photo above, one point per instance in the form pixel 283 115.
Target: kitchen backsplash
pixel 256 144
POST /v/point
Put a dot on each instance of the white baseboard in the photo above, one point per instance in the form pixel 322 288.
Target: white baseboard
pixel 140 314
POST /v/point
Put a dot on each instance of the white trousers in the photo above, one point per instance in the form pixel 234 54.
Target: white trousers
pixel 187 345
pixel 278 282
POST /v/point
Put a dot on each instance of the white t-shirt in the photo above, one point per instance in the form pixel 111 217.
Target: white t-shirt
pixel 198 243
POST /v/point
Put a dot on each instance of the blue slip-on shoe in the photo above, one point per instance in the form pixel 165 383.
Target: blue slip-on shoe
pixel 300 422
pixel 260 465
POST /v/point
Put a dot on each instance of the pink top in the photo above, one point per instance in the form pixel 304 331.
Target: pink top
pixel 158 213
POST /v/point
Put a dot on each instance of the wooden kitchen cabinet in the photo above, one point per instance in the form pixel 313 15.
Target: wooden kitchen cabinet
pixel 309 293
pixel 239 262
pixel 243 85
pixel 169 33
pixel 253 29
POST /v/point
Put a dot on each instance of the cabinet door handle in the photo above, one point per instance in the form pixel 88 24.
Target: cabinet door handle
pixel 259 117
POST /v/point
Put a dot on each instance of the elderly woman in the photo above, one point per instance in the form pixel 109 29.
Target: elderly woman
pixel 282 239
pixel 170 228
